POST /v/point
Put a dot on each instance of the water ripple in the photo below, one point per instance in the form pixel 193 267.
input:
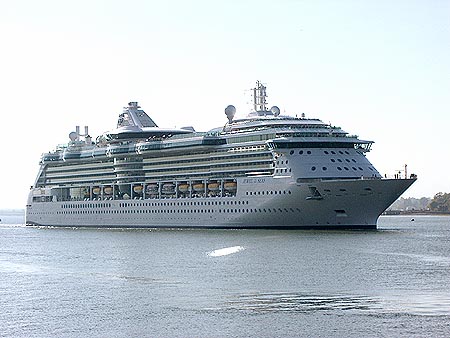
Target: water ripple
pixel 295 302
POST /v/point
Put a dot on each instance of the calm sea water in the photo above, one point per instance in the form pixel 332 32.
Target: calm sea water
pixel 226 283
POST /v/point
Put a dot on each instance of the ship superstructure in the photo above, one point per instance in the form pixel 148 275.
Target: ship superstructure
pixel 265 170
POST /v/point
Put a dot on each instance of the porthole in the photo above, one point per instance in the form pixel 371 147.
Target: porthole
pixel 291 152
pixel 326 152
pixel 300 152
pixel 347 160
pixel 353 160
pixel 347 152
pixel 346 168
pixel 313 168
pixel 339 168
pixel 354 168
pixel 324 168
pixel 360 168
pixel 332 160
pixel 309 152
pixel 340 152
pixel 333 152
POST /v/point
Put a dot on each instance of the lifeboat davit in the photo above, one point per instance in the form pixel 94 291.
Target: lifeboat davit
pixel 168 188
pixel 152 188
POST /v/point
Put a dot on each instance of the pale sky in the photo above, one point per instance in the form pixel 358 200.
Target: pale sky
pixel 378 69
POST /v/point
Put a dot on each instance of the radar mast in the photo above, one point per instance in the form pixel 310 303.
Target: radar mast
pixel 259 97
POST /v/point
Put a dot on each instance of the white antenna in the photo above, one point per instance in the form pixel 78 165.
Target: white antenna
pixel 259 97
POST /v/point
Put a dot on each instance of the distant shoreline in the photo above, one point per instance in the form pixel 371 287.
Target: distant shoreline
pixel 415 212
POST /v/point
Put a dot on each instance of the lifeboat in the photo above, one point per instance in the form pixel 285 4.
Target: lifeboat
pixel 96 190
pixel 213 186
pixel 230 186
pixel 183 187
pixel 107 190
pixel 198 187
pixel 138 189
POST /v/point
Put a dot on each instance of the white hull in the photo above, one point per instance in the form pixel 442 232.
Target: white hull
pixel 263 202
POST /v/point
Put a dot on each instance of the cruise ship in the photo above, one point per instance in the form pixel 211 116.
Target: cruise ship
pixel 267 170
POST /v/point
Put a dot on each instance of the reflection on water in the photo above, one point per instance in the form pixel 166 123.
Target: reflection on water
pixel 431 304
pixel 225 251
pixel 296 302
pixel 417 304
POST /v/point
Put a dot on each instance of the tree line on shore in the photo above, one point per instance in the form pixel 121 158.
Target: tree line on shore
pixel 440 203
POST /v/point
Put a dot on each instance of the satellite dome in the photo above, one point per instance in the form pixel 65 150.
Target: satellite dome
pixel 275 110
pixel 73 136
pixel 230 111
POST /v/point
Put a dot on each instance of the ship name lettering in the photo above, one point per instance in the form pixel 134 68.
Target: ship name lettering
pixel 254 180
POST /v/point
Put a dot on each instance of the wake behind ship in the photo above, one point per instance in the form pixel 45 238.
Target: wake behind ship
pixel 264 171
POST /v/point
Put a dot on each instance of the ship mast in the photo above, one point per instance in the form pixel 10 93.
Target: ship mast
pixel 259 97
